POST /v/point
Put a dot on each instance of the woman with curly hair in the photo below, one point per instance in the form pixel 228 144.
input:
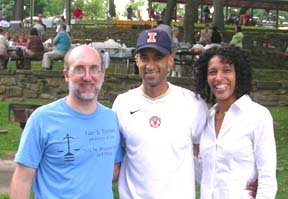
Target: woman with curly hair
pixel 238 143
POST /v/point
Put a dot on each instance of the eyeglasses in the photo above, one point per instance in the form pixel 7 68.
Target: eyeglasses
pixel 81 71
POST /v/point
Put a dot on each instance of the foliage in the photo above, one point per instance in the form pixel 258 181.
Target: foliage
pixel 6 7
pixel 50 7
pixel 158 8
pixel 94 9
pixel 137 4
pixel 91 8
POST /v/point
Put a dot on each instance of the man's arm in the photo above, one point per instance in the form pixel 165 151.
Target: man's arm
pixel 21 182
pixel 116 171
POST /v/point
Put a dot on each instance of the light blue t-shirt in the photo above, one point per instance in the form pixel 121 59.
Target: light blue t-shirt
pixel 63 41
pixel 73 153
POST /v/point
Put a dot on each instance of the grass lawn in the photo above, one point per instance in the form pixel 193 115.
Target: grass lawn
pixel 9 143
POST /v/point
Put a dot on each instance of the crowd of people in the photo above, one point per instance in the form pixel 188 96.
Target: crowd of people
pixel 36 45
pixel 158 138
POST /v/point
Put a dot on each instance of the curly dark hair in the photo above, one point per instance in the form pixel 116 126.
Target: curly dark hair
pixel 229 54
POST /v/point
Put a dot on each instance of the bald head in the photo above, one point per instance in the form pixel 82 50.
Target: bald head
pixel 83 53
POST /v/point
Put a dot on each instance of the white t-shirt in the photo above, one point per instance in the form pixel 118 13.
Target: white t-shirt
pixel 158 135
pixel 243 151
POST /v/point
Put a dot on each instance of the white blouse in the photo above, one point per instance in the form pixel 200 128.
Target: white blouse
pixel 245 150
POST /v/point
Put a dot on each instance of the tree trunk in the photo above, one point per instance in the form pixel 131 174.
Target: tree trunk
pixel 190 17
pixel 112 12
pixel 18 10
pixel 169 11
pixel 68 11
pixel 218 16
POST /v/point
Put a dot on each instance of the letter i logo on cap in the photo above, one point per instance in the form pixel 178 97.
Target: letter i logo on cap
pixel 151 37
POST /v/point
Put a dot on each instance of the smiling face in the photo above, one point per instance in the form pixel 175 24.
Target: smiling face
pixel 153 67
pixel 221 77
pixel 85 74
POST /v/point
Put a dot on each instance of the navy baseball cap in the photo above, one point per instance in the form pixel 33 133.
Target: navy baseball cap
pixel 156 39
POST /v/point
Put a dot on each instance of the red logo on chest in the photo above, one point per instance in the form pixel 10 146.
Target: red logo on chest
pixel 155 122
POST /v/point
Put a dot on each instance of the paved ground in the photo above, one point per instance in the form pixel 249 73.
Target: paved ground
pixel 6 170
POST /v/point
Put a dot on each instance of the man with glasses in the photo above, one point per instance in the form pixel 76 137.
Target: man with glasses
pixel 71 146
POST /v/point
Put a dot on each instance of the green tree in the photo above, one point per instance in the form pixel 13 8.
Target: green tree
pixel 49 7
pixel 6 8
pixel 158 7
pixel 94 9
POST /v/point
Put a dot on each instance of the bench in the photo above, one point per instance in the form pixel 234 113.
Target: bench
pixel 20 113
pixel 3 132
pixel 20 61
pixel 25 62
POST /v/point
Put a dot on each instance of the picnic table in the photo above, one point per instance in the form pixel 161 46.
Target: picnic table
pixel 14 56
pixel 185 58
pixel 119 54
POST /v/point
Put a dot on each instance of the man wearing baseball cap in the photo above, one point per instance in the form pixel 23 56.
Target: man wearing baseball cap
pixel 160 122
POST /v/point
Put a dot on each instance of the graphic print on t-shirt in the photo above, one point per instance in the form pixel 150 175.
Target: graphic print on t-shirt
pixel 69 156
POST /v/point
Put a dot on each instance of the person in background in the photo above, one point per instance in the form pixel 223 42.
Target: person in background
pixel 247 18
pixel 175 34
pixel 166 28
pixel 3 50
pixel 151 14
pixel 176 70
pixel 158 161
pixel 106 58
pixel 286 52
pixel 205 35
pixel 237 39
pixel 129 11
pixel 70 148
pixel 206 14
pixel 62 21
pixel 34 48
pixel 216 37
pixel 7 35
pixel 77 13
pixel 62 43
pixel 22 39
pixel 40 28
pixel 34 45
pixel 232 155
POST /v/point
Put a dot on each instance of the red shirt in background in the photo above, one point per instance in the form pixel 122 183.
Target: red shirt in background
pixel 77 13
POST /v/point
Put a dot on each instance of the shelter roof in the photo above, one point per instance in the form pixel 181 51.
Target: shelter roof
pixel 257 4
